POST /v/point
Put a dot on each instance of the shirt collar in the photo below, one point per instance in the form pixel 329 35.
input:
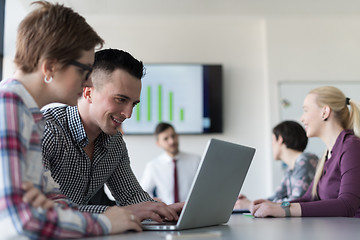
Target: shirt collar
pixel 170 159
pixel 76 127
pixel 78 131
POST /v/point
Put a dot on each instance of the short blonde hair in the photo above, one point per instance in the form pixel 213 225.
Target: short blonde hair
pixel 52 31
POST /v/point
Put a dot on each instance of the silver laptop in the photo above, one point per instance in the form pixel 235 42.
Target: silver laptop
pixel 215 188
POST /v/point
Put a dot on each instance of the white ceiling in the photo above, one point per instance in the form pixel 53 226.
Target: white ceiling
pixel 213 7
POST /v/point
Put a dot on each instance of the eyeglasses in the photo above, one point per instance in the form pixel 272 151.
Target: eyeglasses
pixel 83 67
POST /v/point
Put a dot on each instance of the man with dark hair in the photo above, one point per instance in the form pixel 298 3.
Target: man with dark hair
pixel 289 140
pixel 84 149
pixel 287 130
pixel 171 174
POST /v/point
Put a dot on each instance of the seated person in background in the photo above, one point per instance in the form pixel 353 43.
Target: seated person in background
pixel 83 148
pixel 335 190
pixel 172 173
pixel 289 140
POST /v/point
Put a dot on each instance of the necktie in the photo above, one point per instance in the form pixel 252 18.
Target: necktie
pixel 176 187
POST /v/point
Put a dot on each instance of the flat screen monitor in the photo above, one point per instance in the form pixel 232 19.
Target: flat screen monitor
pixel 188 96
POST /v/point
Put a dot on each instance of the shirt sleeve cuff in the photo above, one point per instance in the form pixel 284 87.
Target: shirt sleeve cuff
pixel 106 223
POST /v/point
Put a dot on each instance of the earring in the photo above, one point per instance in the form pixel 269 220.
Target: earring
pixel 48 80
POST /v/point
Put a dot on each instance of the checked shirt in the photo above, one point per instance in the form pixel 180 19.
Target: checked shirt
pixel 78 177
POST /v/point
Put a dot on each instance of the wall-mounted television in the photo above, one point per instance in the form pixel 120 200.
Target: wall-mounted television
pixel 188 96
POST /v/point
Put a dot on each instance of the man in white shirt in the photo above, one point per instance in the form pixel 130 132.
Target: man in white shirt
pixel 171 174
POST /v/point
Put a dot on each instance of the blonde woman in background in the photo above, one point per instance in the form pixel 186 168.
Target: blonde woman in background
pixel 335 191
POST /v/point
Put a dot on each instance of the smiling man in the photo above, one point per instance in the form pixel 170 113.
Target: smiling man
pixel 83 147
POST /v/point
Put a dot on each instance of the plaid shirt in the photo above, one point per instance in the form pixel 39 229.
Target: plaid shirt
pixel 21 128
pixel 79 177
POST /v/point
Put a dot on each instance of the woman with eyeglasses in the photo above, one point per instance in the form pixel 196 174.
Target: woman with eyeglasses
pixel 335 190
pixel 54 54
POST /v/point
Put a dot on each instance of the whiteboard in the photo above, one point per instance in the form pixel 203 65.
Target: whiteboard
pixel 291 97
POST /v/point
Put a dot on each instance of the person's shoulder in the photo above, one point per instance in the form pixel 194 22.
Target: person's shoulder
pixel 307 156
pixel 155 162
pixel 307 161
pixel 13 100
pixel 351 137
pixel 348 151
pixel 189 156
pixel 159 158
pixel 9 97
pixel 351 142
pixel 54 113
pixel 56 119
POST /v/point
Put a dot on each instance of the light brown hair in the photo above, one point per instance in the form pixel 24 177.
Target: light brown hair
pixel 52 31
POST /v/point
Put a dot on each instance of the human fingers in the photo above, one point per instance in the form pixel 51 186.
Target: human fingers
pixel 154 216
pixel 135 226
pixel 143 211
pixel 27 185
pixel 135 223
pixel 260 212
pixel 155 209
pixel 265 209
pixel 177 207
pixel 257 212
pixel 157 199
pixel 241 196
pixel 253 208
pixel 42 201
pixel 48 204
pixel 30 194
pixel 258 201
pixel 166 212
pixel 30 191
pixel 38 199
pixel 237 204
pixel 35 197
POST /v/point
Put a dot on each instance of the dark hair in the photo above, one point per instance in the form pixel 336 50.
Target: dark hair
pixel 293 134
pixel 109 60
pixel 52 31
pixel 162 126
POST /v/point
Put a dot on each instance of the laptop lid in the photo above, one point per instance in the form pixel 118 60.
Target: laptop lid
pixel 215 188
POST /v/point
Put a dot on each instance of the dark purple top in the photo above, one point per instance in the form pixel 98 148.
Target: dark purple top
pixel 339 186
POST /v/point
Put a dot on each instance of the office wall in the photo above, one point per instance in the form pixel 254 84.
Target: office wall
pixel 236 42
pixel 14 12
pixel 257 52
pixel 311 48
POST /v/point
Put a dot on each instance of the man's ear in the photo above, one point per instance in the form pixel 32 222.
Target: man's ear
pixel 280 139
pixel 87 93
pixel 158 143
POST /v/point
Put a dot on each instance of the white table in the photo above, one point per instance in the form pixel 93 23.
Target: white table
pixel 244 227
